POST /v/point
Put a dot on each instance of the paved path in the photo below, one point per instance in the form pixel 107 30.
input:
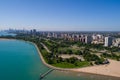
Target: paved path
pixel 82 69
pixel 46 48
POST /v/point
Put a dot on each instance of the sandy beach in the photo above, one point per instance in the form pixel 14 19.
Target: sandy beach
pixel 6 39
pixel 112 69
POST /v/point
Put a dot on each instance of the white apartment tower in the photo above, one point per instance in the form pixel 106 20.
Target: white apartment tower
pixel 108 41
pixel 88 39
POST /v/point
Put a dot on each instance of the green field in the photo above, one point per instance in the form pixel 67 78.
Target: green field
pixel 70 65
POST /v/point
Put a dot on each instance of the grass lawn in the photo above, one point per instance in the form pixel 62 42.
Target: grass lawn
pixel 83 64
pixel 70 65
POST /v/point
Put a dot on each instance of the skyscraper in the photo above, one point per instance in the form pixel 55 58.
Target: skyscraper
pixel 108 41
pixel 88 39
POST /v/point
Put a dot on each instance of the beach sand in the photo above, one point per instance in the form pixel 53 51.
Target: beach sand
pixel 4 39
pixel 112 69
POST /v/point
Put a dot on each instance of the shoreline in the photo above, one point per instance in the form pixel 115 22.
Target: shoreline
pixel 5 39
pixel 104 70
pixel 89 70
pixel 111 69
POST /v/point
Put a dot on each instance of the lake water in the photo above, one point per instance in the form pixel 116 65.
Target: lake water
pixel 19 60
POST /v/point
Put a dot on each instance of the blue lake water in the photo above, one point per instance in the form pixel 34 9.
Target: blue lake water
pixel 20 60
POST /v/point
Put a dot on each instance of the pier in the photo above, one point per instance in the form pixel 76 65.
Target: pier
pixel 45 74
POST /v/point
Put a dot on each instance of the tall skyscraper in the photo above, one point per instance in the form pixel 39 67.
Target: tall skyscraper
pixel 88 39
pixel 108 41
pixel 33 31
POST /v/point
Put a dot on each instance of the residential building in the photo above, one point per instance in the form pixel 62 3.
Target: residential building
pixel 108 41
pixel 88 39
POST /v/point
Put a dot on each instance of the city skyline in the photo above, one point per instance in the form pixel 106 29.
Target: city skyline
pixel 60 15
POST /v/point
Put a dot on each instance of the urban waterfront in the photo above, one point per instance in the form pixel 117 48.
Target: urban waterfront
pixel 59 40
pixel 20 61
pixel 3 33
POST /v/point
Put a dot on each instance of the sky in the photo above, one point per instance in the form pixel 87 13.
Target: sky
pixel 60 15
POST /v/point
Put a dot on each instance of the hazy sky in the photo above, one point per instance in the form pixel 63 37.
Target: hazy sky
pixel 61 15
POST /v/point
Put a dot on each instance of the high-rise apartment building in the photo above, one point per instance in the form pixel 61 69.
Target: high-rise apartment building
pixel 88 39
pixel 108 41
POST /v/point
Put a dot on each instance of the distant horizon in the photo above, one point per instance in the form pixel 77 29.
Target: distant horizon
pixel 59 30
pixel 41 29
